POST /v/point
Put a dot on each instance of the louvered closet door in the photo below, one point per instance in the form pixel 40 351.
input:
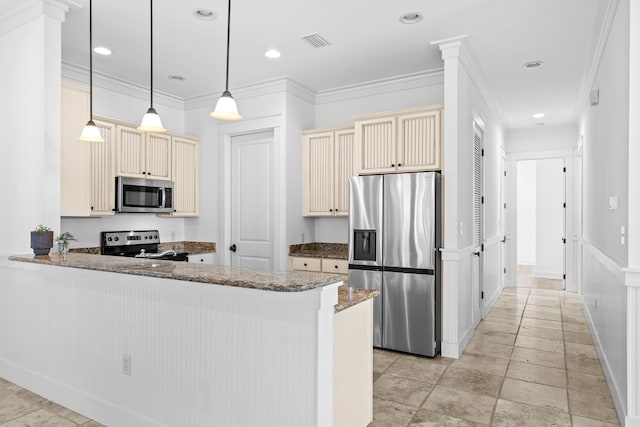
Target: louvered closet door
pixel 344 169
pixel 185 177
pixel 477 226
pixel 130 152
pixel 158 156
pixel 319 161
pixel 419 141
pixel 102 171
pixel 376 145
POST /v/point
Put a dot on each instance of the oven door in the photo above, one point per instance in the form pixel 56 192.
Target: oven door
pixel 143 195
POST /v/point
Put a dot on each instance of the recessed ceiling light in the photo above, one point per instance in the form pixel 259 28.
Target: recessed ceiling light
pixel 205 14
pixel 272 53
pixel 411 18
pixel 102 50
pixel 538 115
pixel 532 65
pixel 176 77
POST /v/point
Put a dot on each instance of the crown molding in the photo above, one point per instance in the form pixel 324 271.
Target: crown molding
pixel 23 12
pixel 278 85
pixel 608 8
pixel 460 47
pixel 79 74
pixel 381 86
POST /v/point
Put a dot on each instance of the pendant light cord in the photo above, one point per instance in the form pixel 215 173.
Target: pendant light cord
pixel 90 60
pixel 228 37
pixel 151 66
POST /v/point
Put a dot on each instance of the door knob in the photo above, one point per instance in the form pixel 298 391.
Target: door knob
pixel 477 253
pixel 232 248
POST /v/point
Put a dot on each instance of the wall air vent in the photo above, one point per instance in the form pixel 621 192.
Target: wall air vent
pixel 315 40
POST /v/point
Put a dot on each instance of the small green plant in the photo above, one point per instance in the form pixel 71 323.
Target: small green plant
pixel 65 237
pixel 42 228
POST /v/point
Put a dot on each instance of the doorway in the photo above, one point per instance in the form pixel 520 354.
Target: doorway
pixel 541 223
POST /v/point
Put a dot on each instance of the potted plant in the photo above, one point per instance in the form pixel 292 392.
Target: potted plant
pixel 63 243
pixel 41 240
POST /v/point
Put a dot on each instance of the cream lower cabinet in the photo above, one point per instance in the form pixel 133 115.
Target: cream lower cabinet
pixel 327 164
pixel 87 169
pixel 143 155
pixel 401 141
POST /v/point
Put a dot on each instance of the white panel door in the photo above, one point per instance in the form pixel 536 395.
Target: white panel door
pixel 252 206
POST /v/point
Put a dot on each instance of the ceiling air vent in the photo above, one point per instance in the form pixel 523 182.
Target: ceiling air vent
pixel 315 40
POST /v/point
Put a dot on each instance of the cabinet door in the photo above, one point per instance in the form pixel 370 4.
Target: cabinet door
pixel 376 145
pixel 185 177
pixel 130 157
pixel 343 169
pixel 74 165
pixel 102 171
pixel 419 141
pixel 158 156
pixel 318 158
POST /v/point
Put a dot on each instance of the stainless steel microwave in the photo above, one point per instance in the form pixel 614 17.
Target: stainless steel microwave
pixel 143 195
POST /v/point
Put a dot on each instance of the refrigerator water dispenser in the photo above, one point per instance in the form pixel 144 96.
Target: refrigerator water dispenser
pixel 364 245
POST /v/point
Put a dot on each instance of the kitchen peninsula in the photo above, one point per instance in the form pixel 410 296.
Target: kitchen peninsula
pixel 149 343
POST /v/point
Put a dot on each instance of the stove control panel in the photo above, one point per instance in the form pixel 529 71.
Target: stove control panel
pixel 129 238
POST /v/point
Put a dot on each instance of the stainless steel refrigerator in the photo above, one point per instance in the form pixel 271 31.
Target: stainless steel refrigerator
pixel 394 241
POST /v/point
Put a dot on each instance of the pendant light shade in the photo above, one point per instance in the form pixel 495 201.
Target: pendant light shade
pixel 151 120
pixel 226 108
pixel 90 132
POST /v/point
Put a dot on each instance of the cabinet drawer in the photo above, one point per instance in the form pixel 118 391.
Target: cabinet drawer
pixel 338 266
pixel 305 264
pixel 206 258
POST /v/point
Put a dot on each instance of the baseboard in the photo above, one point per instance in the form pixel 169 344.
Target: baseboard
pixel 613 385
pixel 71 398
pixel 546 275
pixel 631 421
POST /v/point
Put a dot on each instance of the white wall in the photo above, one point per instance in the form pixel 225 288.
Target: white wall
pixel 30 109
pixel 550 218
pixel 526 207
pixel 544 138
pixel 605 132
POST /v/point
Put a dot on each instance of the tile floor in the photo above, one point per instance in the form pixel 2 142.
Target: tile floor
pixel 531 362
pixel 21 408
pixel 526 279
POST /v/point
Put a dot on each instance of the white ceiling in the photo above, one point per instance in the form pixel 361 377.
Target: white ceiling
pixel 367 43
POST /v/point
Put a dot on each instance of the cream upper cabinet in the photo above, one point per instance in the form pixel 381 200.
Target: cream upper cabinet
pixel 186 194
pixel 87 169
pixel 401 141
pixel 143 155
pixel 327 164
pixel 418 144
pixel 102 174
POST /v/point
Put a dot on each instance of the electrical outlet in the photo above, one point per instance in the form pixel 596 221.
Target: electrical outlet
pixel 461 228
pixel 126 364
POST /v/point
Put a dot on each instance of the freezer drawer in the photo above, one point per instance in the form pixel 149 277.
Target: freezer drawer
pixel 370 279
pixel 409 313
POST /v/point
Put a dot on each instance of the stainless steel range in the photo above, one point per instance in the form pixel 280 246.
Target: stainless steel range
pixel 139 244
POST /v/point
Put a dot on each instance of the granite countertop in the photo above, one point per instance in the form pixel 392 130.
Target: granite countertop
pixel 280 281
pixel 348 297
pixel 188 247
pixel 320 250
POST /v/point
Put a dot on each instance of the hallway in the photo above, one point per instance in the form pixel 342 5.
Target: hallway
pixel 531 362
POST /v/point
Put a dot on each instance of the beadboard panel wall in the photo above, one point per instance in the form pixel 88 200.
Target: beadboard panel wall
pixel 604 297
pixel 200 355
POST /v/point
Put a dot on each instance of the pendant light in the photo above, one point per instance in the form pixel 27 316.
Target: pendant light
pixel 226 108
pixel 90 132
pixel 151 120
